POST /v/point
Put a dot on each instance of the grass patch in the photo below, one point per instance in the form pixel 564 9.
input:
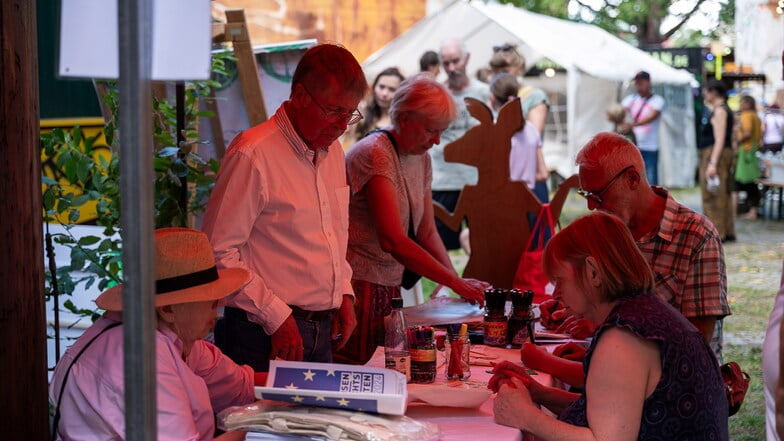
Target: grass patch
pixel 749 423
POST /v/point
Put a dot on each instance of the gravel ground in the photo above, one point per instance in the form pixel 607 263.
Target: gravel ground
pixel 754 263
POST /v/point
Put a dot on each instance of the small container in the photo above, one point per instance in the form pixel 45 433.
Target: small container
pixel 521 322
pixel 422 346
pixel 458 353
pixel 495 323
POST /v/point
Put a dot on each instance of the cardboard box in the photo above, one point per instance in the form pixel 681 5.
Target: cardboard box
pixel 339 386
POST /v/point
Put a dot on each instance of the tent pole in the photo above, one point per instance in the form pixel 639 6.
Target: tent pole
pixel 136 190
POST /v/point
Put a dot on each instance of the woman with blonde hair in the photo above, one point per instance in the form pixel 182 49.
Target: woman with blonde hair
pixel 506 58
pixel 649 372
pixel 391 221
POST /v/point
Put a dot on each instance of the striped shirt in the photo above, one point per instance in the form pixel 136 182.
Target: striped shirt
pixel 687 260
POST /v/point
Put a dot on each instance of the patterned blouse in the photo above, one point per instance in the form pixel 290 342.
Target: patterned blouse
pixel 689 402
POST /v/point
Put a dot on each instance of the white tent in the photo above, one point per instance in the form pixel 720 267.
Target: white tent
pixel 598 67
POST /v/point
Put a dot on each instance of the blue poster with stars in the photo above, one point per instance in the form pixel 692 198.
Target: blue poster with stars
pixel 340 386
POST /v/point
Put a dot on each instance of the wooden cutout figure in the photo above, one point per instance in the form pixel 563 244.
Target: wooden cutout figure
pixel 496 208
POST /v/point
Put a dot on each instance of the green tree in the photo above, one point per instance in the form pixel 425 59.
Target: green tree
pixel 637 21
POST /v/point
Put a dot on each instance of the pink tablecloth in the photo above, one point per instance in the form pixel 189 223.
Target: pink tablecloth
pixel 468 424
pixel 456 423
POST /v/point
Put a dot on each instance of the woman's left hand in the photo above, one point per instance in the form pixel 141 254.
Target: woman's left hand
pixel 513 404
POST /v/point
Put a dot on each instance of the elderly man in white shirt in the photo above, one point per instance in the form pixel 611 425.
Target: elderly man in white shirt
pixel 280 210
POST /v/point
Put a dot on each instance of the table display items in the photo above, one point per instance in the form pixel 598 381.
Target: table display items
pixel 458 351
pixel 521 321
pixel 496 323
pixel 396 345
pixel 422 344
pixel 321 423
pixel 341 386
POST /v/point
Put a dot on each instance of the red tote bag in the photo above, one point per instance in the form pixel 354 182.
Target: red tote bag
pixel 529 274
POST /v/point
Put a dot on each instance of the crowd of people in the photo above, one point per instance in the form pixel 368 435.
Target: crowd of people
pixel 305 241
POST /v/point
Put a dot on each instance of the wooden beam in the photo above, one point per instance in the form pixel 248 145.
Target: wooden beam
pixel 237 32
pixel 23 390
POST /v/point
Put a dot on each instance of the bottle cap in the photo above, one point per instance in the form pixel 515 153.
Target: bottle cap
pixel 397 302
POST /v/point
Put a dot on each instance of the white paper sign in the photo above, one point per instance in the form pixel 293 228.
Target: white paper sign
pixel 181 39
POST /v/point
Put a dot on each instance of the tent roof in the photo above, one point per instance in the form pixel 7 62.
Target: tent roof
pixel 480 26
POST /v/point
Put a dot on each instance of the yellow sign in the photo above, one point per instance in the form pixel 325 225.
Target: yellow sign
pixel 90 127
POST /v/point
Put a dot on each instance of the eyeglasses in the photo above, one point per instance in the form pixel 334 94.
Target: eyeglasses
pixel 503 48
pixel 596 196
pixel 336 116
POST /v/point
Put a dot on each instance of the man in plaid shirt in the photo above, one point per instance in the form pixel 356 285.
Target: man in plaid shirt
pixel 682 247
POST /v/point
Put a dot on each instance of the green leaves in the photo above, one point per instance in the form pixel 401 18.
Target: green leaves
pixel 82 174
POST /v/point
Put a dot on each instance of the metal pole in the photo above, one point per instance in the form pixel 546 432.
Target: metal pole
pixel 136 191
pixel 180 111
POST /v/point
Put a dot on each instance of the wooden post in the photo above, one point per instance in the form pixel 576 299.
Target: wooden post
pixel 237 33
pixel 23 389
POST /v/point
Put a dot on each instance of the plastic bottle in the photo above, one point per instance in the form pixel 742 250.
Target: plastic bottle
pixel 396 353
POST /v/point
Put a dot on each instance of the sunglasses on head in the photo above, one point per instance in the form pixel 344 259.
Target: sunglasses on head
pixel 503 48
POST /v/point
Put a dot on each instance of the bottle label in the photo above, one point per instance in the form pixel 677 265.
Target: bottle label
pixel 423 355
pixel 495 333
pixel 400 363
pixel 521 336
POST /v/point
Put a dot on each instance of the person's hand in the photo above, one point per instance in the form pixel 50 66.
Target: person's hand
pixel 513 404
pixel 552 313
pixel 343 325
pixel 570 351
pixel 534 357
pixel 624 127
pixel 711 171
pixel 286 341
pixel 473 291
pixel 579 328
pixel 504 371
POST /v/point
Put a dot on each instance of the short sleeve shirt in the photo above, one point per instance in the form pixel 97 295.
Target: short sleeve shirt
pixel 410 175
pixel 640 108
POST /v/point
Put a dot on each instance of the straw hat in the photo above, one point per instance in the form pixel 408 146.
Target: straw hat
pixel 184 272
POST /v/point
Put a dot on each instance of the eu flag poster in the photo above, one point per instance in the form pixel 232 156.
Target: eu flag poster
pixel 340 386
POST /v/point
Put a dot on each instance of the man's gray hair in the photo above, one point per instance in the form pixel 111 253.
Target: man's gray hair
pixel 452 41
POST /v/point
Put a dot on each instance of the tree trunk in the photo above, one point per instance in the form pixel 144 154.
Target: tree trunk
pixel 651 32
pixel 23 388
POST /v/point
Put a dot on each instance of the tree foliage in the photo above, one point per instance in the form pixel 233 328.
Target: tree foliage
pixel 637 21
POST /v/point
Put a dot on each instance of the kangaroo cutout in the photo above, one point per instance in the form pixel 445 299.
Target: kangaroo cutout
pixel 496 208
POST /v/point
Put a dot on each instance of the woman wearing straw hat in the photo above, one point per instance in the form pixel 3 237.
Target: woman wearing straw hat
pixel 194 379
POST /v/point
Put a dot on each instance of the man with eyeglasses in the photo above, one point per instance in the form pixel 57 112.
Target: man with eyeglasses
pixel 682 246
pixel 280 210
pixel 449 178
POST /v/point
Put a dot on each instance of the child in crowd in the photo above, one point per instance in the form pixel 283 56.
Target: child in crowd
pixel 616 114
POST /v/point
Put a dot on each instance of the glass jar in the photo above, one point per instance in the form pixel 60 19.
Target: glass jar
pixel 495 323
pixel 458 353
pixel 422 347
pixel 521 322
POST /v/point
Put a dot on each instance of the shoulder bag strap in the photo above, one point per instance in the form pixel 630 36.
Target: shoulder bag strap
pixel 639 111
pixel 411 230
pixel 56 419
